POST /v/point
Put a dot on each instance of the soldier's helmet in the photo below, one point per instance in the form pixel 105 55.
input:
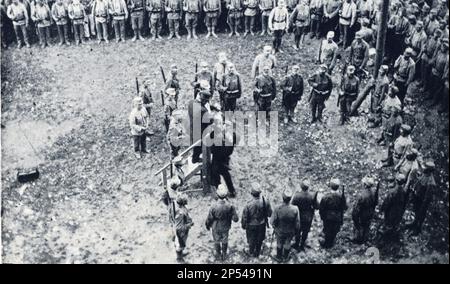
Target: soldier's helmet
pixel 287 195
pixel 174 183
pixel 373 52
pixel 182 199
pixel 400 178
pixel 171 92
pixel 335 183
pixel 305 184
pixel 385 68
pixel 330 35
pixel 323 67
pixel 409 51
pixel 358 35
pixel 394 89
pixel 256 190
pixel 430 166
pixel 222 191
pixel 351 69
pixel 406 129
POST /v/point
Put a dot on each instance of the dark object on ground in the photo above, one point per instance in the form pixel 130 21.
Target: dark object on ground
pixel 26 175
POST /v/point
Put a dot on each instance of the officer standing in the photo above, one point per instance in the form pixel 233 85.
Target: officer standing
pixel 212 9
pixel 155 9
pixel 359 54
pixel 292 87
pixel 138 121
pixel 192 9
pixel 263 59
pixel 255 220
pixel 176 135
pixel 404 69
pixel 285 222
pixel 328 52
pixel 173 82
pixel 169 106
pixel 306 202
pixel 235 14
pixel 331 209
pixel 364 210
pixel 265 90
pixel 219 219
pixel 231 88
pixel 321 90
pixel 279 23
pixel 203 75
pixel 348 94
pixel 173 9
pixel 422 196
pixel 136 8
pixel 393 207
pixel 119 12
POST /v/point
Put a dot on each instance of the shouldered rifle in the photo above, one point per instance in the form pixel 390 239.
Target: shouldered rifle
pixel 320 52
pixel 195 78
pixel 137 86
pixel 162 74
pixel 265 212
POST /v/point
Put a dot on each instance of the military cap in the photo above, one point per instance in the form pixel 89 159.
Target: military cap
pixel 256 190
pixel 372 51
pixel 137 100
pixel 182 199
pixel 287 194
pixel 384 67
pixel 204 84
pixel 171 91
pixel 351 68
pixel 366 21
pixel 222 191
pixel 323 66
pixel 419 23
pixel 406 128
pixel 330 34
pixel 174 183
pixel 409 51
pixel 335 183
pixel 172 66
pixel 430 165
pixel 411 17
pixel 394 89
pixel 358 34
pixel 368 181
pixel 400 178
pixel 305 184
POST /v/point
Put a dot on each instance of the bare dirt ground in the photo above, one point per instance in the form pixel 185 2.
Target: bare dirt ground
pixel 95 203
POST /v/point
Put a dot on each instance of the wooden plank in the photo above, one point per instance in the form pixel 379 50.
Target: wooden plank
pixel 193 171
pixel 182 154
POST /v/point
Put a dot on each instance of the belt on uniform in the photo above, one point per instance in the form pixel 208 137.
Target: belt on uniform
pixel 138 9
pixel 252 8
pixel 212 11
pixel 265 95
pixel 101 16
pixel 232 92
pixel 78 18
pixel 300 20
pixel 275 21
pixel 156 11
pixel 346 18
pixel 350 94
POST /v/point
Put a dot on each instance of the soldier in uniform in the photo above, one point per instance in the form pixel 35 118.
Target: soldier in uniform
pixel 422 196
pixel 328 52
pixel 359 54
pixel 182 223
pixel 118 10
pixel 203 75
pixel 100 11
pixel 331 10
pixel 391 101
pixel 431 22
pixel 42 16
pixel 60 15
pixel 147 97
pixel 398 25
pixel 212 9
pixel 136 8
pixel 176 134
pixel 439 72
pixel 380 87
pixel 169 106
pixel 192 9
pixel 393 207
pixel 432 44
pixel 321 90
pixel 306 203
pixel 18 14
pixel 292 87
pixel 417 41
pixel 250 12
pixel 77 14
pixel 138 121
pixel 409 167
pixel 404 69
pixel 285 222
pixel 391 130
pixel 347 20
pixel 155 10
pixel 300 20
pixel 367 34
pixel 265 6
pixel 398 148
pixel 173 82
pixel 220 69
pixel 348 94
pixel 279 23
pixel 219 220
pixel 364 210
pixel 263 59
pixel 89 22
pixel 316 11
pixel 265 91
pixel 235 14
pixel 231 88
pixel 255 220
pixel 331 209
pixel 173 9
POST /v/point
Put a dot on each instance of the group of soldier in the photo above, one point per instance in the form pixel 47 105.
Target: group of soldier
pixel 422 59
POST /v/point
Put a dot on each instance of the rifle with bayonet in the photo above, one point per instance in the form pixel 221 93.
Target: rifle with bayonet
pixel 137 86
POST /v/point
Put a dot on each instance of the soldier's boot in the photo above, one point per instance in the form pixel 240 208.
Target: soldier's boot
pixel 194 33
pixel 245 32
pixel 177 34
pixel 286 253
pixel 19 44
pixel 236 31
pixel 231 30
pixel 189 33
pixel 134 36
pixel 224 251
pixel 213 32
pixel 179 256
pixel 209 32
pixel 141 38
pixel 342 119
pixel 218 251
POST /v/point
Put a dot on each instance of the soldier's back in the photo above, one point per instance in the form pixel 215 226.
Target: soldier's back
pixel 331 207
pixel 286 218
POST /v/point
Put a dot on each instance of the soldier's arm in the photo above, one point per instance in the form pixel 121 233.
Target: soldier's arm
pixel 274 219
pixel 366 57
pixel 210 219
pixel 125 8
pixel 244 218
pixel 234 215
pixel 411 73
pixel 239 86
pixel 297 219
pixel 255 66
pixel 274 89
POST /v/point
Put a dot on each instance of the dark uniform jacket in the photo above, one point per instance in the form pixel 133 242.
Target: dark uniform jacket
pixel 204 76
pixel 285 219
pixel 256 212
pixel 267 86
pixel 364 207
pixel 324 83
pixel 423 192
pixel 332 207
pixel 293 84
pixel 220 216
pixel 350 86
pixel 306 203
pixel 231 86
pixel 394 206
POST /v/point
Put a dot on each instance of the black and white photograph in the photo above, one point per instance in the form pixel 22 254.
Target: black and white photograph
pixel 224 132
